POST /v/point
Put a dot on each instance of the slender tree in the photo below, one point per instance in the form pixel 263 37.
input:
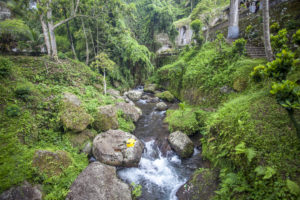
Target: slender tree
pixel 266 29
pixel 233 28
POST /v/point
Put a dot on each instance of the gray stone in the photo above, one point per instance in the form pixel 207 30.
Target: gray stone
pixel 75 118
pixel 161 106
pixel 203 183
pixel 134 95
pixel 99 182
pixel 181 144
pixel 226 90
pixel 130 111
pixel 106 118
pixel 150 88
pixel 114 93
pixel 71 98
pixel 23 192
pixel 87 149
pixel 111 148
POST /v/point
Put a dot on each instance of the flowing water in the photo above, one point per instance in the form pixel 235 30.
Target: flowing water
pixel 160 172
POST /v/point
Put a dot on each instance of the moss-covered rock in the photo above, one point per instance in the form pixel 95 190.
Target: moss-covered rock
pixel 79 140
pixel 166 95
pixel 106 118
pixel 181 144
pixel 203 183
pixel 75 118
pixel 51 163
pixel 150 88
pixel 240 84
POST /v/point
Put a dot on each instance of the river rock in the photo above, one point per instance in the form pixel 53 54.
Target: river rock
pixel 110 148
pixel 23 192
pixel 75 118
pixel 99 182
pixel 81 139
pixel 181 144
pixel 114 93
pixel 131 112
pixel 51 163
pixel 71 98
pixel 226 89
pixel 203 183
pixel 150 88
pixel 134 95
pixel 161 106
pixel 106 118
pixel 166 95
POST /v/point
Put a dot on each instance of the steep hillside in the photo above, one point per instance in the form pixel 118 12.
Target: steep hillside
pixel 39 101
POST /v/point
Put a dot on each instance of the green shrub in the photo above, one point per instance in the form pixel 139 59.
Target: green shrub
pixel 196 25
pixel 296 37
pixel 23 92
pixel 165 96
pixel 239 46
pixel 187 120
pixel 275 27
pixel 258 73
pixel 5 67
pixel 61 55
pixel 279 41
pixel 13 111
pixel 136 190
pixel 287 94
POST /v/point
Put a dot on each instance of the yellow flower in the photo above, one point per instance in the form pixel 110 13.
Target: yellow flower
pixel 130 142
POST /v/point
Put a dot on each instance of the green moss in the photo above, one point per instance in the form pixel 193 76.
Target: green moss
pixel 268 137
pixel 165 96
pixel 188 120
pixel 124 123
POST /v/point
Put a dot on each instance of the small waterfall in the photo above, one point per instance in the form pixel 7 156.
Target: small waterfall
pixel 158 175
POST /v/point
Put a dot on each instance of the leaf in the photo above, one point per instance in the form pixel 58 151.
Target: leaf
pixel 251 153
pixel 269 173
pixel 293 187
pixel 240 148
pixel 260 170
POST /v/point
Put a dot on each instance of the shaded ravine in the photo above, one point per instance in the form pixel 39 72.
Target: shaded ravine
pixel 160 172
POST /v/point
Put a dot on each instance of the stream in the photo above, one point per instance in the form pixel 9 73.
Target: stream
pixel 160 172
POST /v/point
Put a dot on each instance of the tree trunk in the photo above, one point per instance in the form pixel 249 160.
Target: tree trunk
pixel 86 44
pixel 233 28
pixel 207 33
pixel 70 36
pixel 104 81
pixel 266 29
pixel 46 34
pixel 51 31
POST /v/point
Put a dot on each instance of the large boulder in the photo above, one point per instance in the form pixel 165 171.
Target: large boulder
pixel 118 148
pixel 203 183
pixel 130 111
pixel 150 88
pixel 166 95
pixel 75 118
pixel 23 192
pixel 161 106
pixel 134 95
pixel 51 163
pixel 106 118
pixel 115 93
pixel 82 140
pixel 71 98
pixel 99 182
pixel 181 144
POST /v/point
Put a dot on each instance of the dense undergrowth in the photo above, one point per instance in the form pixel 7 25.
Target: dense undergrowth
pixel 31 92
pixel 247 135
